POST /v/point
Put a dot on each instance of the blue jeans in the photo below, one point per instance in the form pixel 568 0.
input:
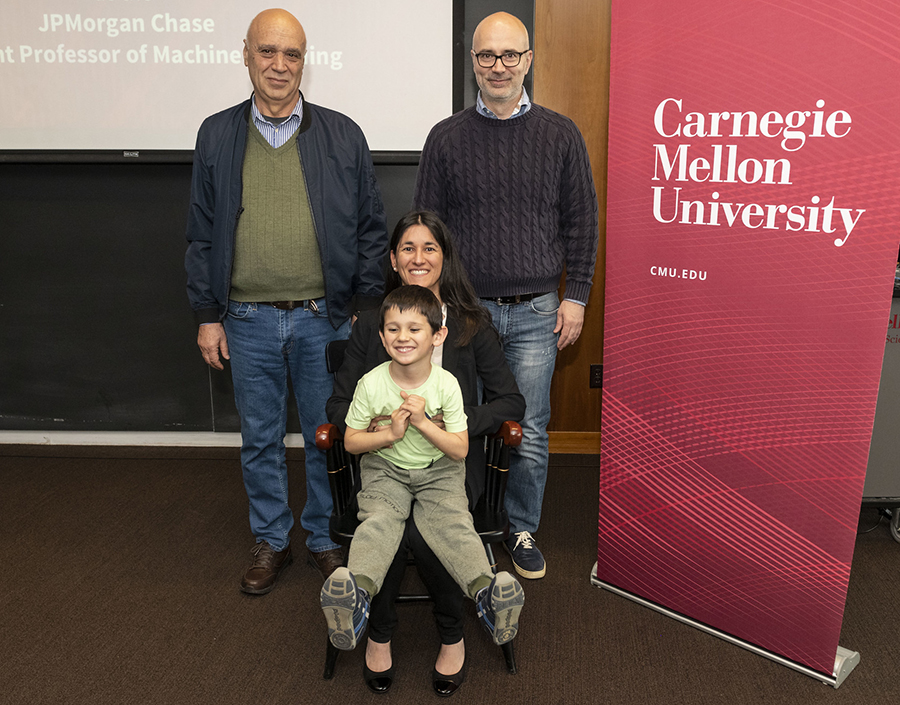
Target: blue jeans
pixel 266 345
pixel 529 343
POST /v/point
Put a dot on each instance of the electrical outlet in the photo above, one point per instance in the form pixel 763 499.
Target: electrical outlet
pixel 596 381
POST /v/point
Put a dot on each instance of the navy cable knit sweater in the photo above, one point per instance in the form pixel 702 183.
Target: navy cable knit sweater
pixel 518 196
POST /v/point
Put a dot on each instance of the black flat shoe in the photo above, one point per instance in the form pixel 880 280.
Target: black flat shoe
pixel 445 686
pixel 378 681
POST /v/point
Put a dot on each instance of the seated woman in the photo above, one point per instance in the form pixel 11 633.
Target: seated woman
pixel 422 252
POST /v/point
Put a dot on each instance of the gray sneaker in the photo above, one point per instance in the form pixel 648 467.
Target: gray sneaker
pixel 346 608
pixel 498 606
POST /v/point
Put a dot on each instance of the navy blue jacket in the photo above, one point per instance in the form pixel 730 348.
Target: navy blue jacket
pixel 346 206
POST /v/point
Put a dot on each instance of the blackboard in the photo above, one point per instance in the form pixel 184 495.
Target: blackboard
pixel 95 330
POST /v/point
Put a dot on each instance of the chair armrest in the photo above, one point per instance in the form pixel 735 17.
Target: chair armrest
pixel 510 432
pixel 327 434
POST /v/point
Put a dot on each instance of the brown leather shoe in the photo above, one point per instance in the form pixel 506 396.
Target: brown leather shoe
pixel 263 571
pixel 326 562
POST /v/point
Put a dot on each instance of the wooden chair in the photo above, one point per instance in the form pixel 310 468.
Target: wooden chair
pixel 490 517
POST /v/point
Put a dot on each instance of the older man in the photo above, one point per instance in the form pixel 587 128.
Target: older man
pixel 286 235
pixel 513 181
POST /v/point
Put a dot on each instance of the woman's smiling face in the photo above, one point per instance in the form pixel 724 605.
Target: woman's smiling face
pixel 419 259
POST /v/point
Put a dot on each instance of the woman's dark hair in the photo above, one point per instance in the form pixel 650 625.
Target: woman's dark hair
pixel 455 287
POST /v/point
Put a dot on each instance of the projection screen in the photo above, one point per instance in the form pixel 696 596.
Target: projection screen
pixel 136 75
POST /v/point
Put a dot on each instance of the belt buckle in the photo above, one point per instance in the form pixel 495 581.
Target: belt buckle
pixel 284 305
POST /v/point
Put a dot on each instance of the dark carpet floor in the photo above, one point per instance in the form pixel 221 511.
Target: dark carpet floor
pixel 120 585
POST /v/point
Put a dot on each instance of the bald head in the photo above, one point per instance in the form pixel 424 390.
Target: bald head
pixel 273 54
pixel 501 39
pixel 275 18
pixel 500 23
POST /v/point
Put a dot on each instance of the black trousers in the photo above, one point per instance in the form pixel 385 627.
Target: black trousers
pixel 448 598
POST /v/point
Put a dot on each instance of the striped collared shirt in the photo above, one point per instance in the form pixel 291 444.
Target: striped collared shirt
pixel 277 135
pixel 523 106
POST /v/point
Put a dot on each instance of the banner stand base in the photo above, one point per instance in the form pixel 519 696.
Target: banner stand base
pixel 844 662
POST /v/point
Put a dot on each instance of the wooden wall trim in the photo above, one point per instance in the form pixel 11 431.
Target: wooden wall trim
pixel 574 442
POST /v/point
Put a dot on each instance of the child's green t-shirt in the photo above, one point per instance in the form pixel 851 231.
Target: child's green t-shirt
pixel 377 394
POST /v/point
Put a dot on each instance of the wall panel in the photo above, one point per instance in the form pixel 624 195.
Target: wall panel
pixel 571 76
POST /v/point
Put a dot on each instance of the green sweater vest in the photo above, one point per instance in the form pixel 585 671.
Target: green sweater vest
pixel 276 256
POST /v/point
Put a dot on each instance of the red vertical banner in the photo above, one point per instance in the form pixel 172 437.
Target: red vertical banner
pixel 753 226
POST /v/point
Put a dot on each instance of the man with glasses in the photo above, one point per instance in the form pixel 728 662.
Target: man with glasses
pixel 286 236
pixel 513 181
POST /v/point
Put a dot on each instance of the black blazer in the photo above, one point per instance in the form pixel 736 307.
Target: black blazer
pixel 482 358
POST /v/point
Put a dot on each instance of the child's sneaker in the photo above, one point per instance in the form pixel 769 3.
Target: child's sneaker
pixel 346 609
pixel 499 605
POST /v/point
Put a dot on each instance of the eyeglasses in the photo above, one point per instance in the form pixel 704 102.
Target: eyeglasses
pixel 487 60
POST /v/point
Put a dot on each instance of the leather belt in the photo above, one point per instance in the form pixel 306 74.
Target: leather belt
pixel 291 305
pixel 517 299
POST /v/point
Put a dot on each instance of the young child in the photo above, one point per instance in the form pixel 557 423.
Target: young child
pixel 412 462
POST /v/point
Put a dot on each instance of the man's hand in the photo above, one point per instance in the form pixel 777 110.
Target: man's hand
pixel 212 341
pixel 569 320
